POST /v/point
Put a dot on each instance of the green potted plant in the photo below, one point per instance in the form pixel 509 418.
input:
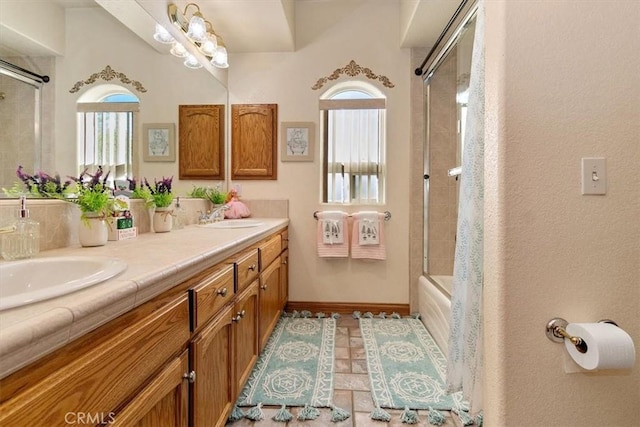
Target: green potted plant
pixel 161 197
pixel 93 197
pixel 217 196
pixel 214 195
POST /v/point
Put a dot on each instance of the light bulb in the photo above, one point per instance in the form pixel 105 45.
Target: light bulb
pixel 220 57
pixel 197 29
pixel 178 50
pixel 209 46
pixel 162 35
pixel 192 62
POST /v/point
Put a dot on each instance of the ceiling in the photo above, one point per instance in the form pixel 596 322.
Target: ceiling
pixel 267 25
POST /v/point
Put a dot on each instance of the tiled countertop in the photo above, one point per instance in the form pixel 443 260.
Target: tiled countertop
pixel 156 262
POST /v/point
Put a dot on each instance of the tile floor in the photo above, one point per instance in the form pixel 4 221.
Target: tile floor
pixel 351 389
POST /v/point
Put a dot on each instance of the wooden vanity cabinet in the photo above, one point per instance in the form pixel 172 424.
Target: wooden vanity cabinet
pixel 212 355
pixel 180 359
pixel 100 375
pixel 246 266
pixel 245 335
pixel 269 301
pixel 284 269
pixel 163 402
pixel 224 348
pixel 284 279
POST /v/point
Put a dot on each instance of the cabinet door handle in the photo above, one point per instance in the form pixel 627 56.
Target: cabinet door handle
pixel 239 316
pixel 252 267
pixel 222 292
pixel 285 261
pixel 263 287
pixel 191 376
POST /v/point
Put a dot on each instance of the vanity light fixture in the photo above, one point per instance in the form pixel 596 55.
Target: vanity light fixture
pixel 198 31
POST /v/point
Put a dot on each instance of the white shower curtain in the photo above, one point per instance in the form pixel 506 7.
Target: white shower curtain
pixel 464 370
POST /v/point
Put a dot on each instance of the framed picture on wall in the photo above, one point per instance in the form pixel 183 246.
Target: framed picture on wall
pixel 159 141
pixel 297 141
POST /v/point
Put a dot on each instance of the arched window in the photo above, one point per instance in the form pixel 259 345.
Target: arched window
pixel 353 143
pixel 105 130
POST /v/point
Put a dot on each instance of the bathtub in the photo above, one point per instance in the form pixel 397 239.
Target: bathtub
pixel 434 306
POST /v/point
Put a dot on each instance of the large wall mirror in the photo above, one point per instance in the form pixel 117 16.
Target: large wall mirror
pixel 105 43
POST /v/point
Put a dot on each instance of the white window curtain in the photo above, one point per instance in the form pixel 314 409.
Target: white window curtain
pixel 105 138
pixel 354 144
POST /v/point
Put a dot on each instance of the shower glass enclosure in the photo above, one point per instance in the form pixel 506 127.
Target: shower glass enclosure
pixel 21 127
pixel 447 93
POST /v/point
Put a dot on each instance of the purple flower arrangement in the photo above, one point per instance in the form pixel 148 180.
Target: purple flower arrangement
pixel 160 191
pixel 44 185
pixel 158 195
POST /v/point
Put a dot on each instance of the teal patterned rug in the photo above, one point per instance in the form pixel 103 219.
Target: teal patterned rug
pixel 294 369
pixel 407 370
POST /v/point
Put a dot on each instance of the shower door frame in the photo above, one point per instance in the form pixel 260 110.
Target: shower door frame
pixel 448 40
pixel 36 82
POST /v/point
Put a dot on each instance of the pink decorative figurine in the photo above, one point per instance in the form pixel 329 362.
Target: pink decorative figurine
pixel 237 209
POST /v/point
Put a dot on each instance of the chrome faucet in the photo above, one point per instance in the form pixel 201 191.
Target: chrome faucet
pixel 213 216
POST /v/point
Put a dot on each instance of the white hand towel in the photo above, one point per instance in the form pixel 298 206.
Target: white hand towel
pixel 367 240
pixel 332 235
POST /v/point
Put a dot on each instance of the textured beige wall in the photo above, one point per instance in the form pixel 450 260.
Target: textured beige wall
pixel 328 36
pixel 562 84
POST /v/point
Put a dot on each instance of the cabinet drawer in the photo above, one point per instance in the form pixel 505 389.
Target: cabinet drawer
pixel 100 380
pixel 269 251
pixel 211 294
pixel 246 269
pixel 285 239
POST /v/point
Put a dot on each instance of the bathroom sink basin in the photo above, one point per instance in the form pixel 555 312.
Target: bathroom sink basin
pixel 28 281
pixel 233 223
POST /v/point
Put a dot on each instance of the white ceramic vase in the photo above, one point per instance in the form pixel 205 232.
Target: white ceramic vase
pixel 93 230
pixel 162 220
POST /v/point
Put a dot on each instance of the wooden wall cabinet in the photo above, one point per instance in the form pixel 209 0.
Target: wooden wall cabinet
pixel 254 141
pixel 201 141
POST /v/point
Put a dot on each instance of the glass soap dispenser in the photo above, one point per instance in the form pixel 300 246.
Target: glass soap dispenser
pixel 22 239
pixel 180 216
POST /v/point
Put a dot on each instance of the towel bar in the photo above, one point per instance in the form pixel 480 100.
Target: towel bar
pixel 387 215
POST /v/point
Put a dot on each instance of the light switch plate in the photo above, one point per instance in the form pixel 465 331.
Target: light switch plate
pixel 594 175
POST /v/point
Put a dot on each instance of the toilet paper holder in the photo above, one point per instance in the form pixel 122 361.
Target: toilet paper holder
pixel 556 332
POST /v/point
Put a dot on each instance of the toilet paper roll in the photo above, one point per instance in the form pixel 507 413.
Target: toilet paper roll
pixel 608 346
